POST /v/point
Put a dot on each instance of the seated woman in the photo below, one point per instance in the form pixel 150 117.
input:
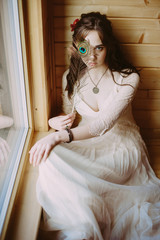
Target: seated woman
pixel 95 181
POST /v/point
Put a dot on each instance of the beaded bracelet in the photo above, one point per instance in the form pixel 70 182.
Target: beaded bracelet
pixel 70 134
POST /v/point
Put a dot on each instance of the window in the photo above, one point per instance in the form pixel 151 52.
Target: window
pixel 12 100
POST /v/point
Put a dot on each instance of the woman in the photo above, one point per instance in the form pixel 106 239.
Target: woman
pixel 95 181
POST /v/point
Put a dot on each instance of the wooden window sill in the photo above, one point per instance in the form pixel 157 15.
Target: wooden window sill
pixel 26 213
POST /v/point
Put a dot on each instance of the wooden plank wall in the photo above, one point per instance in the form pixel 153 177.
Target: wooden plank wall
pixel 48 61
pixel 35 17
pixel 137 25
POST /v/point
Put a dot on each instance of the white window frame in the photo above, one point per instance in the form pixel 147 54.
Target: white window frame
pixel 17 134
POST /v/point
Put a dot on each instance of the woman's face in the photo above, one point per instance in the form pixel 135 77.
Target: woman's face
pixel 96 53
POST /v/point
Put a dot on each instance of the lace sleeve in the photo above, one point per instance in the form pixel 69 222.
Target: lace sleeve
pixel 115 106
pixel 67 104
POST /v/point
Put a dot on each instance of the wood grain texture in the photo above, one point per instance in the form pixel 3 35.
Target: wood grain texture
pixel 150 78
pixel 147 119
pixel 109 10
pixel 117 23
pixel 37 63
pixel 123 35
pixel 132 3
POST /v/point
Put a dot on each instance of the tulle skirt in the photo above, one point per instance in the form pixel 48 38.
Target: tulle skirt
pixel 101 188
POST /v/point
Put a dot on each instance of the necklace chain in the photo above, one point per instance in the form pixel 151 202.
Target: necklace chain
pixel 96 89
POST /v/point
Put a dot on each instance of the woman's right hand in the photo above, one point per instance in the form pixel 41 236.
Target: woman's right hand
pixel 42 148
pixel 60 122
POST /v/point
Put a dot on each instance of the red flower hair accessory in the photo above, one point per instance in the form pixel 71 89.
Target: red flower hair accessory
pixel 74 24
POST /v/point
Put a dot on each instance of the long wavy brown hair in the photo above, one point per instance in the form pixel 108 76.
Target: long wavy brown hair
pixel 115 58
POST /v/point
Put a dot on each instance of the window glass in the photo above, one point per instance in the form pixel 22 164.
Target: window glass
pixel 13 110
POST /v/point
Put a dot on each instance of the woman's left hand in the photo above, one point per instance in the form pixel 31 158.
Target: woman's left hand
pixel 60 122
pixel 41 149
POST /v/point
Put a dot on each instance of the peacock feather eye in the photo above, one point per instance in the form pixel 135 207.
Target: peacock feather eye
pixel 83 48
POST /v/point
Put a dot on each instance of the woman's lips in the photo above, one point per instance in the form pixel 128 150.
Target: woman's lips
pixel 91 64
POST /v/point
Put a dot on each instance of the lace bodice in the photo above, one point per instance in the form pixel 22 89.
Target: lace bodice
pixel 115 108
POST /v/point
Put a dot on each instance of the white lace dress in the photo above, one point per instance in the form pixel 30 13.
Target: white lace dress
pixel 102 187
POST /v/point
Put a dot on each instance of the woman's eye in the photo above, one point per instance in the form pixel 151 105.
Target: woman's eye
pixel 99 48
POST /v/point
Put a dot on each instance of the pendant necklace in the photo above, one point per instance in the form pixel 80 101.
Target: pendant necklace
pixel 96 89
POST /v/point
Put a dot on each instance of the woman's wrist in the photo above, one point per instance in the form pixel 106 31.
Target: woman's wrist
pixel 62 136
pixel 70 134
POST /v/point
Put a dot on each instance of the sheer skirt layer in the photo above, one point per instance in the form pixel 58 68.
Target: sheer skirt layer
pixel 101 188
